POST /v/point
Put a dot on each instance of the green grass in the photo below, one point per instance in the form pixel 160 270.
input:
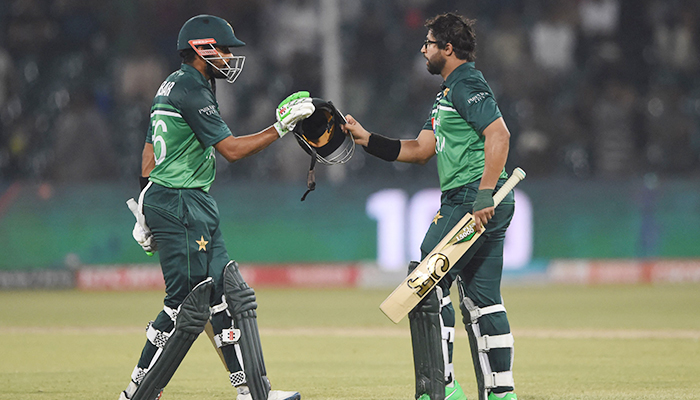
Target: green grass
pixel 606 342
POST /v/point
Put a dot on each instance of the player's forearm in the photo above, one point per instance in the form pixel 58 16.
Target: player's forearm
pixel 148 160
pixel 237 148
pixel 419 150
pixel 496 149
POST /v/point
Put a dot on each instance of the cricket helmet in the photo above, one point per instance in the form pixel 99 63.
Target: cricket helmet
pixel 203 33
pixel 321 136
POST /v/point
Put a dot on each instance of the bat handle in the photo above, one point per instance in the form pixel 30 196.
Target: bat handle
pixel 517 176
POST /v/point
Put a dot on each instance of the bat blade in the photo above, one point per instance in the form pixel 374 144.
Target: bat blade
pixel 431 270
pixel 440 260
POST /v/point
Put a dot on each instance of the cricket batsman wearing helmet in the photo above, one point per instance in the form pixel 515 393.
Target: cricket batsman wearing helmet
pixel 467 133
pixel 177 217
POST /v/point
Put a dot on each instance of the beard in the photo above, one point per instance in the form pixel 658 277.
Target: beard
pixel 215 72
pixel 436 64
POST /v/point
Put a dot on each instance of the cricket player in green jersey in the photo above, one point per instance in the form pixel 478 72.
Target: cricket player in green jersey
pixel 466 132
pixel 177 217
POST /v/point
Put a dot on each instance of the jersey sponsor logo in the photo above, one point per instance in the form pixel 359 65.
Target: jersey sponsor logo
pixel 477 97
pixel 165 88
pixel 199 42
pixel 208 110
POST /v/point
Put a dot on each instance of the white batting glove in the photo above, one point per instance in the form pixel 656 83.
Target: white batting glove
pixel 144 238
pixel 291 110
pixel 141 233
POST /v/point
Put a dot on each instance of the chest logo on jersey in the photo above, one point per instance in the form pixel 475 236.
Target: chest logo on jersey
pixel 202 244
pixel 165 88
pixel 208 110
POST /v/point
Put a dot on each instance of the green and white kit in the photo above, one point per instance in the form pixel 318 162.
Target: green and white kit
pixel 463 108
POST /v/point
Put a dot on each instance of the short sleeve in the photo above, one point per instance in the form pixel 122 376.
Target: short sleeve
pixel 201 112
pixel 474 101
pixel 429 123
pixel 149 133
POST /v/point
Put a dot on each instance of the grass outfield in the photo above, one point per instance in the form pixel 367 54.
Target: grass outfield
pixel 640 342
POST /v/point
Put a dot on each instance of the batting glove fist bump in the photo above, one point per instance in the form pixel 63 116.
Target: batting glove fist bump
pixel 291 110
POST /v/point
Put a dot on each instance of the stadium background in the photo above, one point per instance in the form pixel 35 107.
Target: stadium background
pixel 602 98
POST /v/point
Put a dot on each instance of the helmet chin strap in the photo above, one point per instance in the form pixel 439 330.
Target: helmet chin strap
pixel 212 80
pixel 311 177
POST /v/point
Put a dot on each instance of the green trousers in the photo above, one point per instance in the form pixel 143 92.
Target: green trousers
pixel 185 224
pixel 477 273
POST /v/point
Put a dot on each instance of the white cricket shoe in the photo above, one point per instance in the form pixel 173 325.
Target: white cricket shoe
pixel 244 394
pixel 130 390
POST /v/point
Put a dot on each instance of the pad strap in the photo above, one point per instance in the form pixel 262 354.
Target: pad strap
pixel 227 337
pixel 137 375
pixel 219 307
pixel 158 338
pixel 172 312
pixel 499 379
pixel 237 378
pixel 475 312
pixel 486 342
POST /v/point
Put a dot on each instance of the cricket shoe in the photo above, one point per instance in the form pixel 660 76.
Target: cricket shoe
pixel 506 396
pixel 122 396
pixel 455 392
pixel 131 389
pixel 451 393
pixel 244 394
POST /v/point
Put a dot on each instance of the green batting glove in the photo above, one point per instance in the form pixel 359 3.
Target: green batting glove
pixel 484 199
pixel 291 110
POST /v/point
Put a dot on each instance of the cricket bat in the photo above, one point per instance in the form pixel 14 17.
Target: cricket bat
pixel 440 260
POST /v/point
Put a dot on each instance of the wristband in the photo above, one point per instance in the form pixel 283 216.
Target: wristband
pixel 484 199
pixel 383 147
pixel 143 181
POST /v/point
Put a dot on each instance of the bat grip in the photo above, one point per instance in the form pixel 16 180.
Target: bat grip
pixel 517 176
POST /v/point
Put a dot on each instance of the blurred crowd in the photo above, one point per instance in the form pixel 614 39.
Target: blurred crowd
pixel 589 88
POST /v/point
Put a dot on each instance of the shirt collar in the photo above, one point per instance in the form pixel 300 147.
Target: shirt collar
pixel 456 73
pixel 188 69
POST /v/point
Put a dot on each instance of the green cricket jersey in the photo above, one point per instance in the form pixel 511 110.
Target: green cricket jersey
pixel 462 110
pixel 185 125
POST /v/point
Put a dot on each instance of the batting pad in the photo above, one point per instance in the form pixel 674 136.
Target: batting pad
pixel 241 305
pixel 426 339
pixel 193 315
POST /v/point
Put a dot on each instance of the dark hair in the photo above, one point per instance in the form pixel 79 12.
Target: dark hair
pixel 187 55
pixel 457 30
